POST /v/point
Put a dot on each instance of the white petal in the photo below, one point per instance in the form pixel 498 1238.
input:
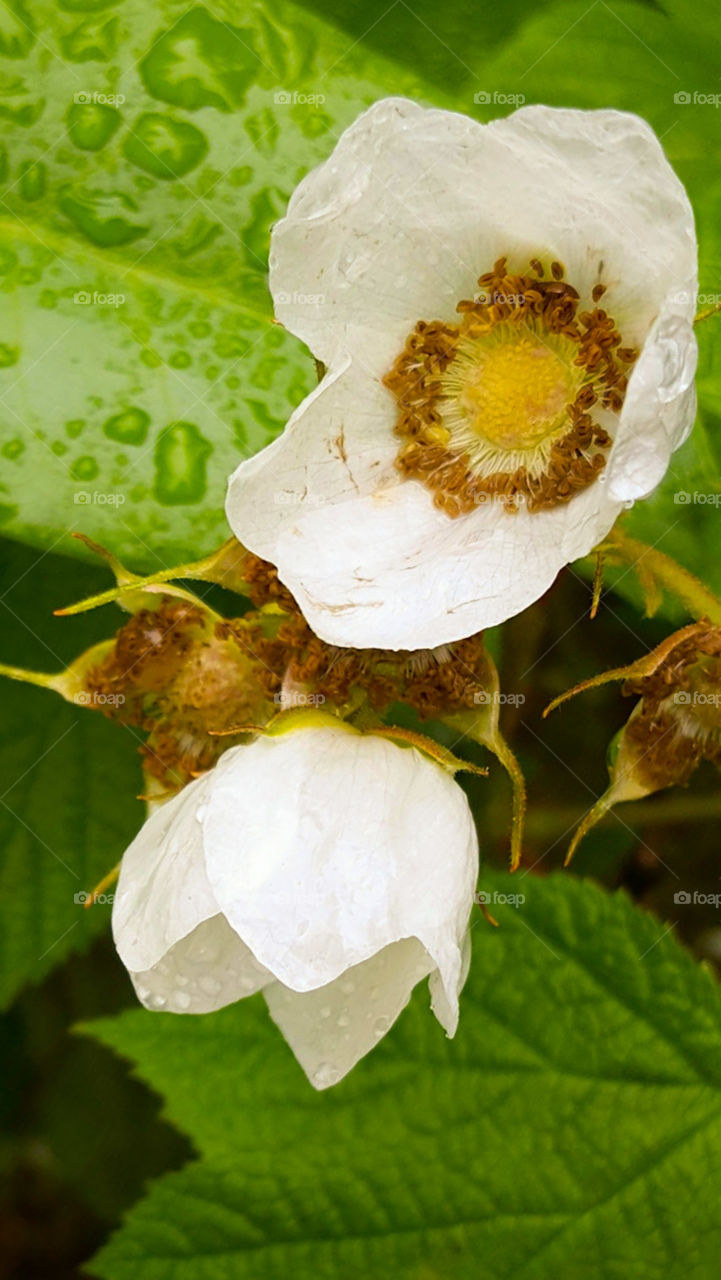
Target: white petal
pixel 206 970
pixel 659 408
pixel 396 226
pixel 331 1028
pixel 323 846
pixel 415 203
pixel 394 572
pixel 180 953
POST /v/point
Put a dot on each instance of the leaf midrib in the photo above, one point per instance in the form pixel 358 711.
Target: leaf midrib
pixel 63 245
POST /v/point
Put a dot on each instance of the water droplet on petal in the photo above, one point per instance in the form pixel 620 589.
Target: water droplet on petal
pixel 325 1011
pixel 343 1020
pixel 380 1026
pixel 325 1075
pixel 182 1000
pixel 209 985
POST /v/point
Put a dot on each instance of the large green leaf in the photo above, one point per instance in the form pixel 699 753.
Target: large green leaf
pixel 69 777
pixel 148 148
pixel 571 1128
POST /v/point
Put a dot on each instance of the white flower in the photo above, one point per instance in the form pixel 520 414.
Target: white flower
pixel 330 869
pixel 385 506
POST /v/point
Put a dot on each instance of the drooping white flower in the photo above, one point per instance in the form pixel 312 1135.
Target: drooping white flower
pixel 451 462
pixel 330 869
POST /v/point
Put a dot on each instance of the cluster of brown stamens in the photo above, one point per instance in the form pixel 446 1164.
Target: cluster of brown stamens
pixel 548 309
pixel 291 654
pixel 189 680
pixel 178 675
pixel 678 721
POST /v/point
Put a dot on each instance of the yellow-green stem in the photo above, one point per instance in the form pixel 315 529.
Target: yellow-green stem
pixel 697 598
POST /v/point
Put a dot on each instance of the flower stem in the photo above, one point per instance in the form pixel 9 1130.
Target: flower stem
pixel 697 598
pixel 42 678
pixel 710 311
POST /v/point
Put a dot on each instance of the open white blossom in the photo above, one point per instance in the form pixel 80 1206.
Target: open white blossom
pixel 455 457
pixel 330 869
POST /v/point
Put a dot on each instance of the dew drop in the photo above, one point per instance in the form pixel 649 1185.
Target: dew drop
pixel 182 1000
pixel 181 455
pixel 130 426
pixel 325 1075
pixel 380 1026
pixel 209 985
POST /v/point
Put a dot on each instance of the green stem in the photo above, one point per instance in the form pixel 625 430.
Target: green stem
pixel 710 311
pixel 41 678
pixel 697 598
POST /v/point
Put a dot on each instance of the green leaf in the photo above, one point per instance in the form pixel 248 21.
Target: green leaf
pixel 68 776
pixel 570 1129
pixel 147 150
pixel 639 59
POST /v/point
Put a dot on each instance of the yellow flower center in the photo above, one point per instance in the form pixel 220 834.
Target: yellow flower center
pixel 513 403
pixel 512 389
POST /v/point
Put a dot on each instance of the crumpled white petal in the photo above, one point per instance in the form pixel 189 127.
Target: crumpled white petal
pixel 395 227
pixel 329 868
pixel 179 950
